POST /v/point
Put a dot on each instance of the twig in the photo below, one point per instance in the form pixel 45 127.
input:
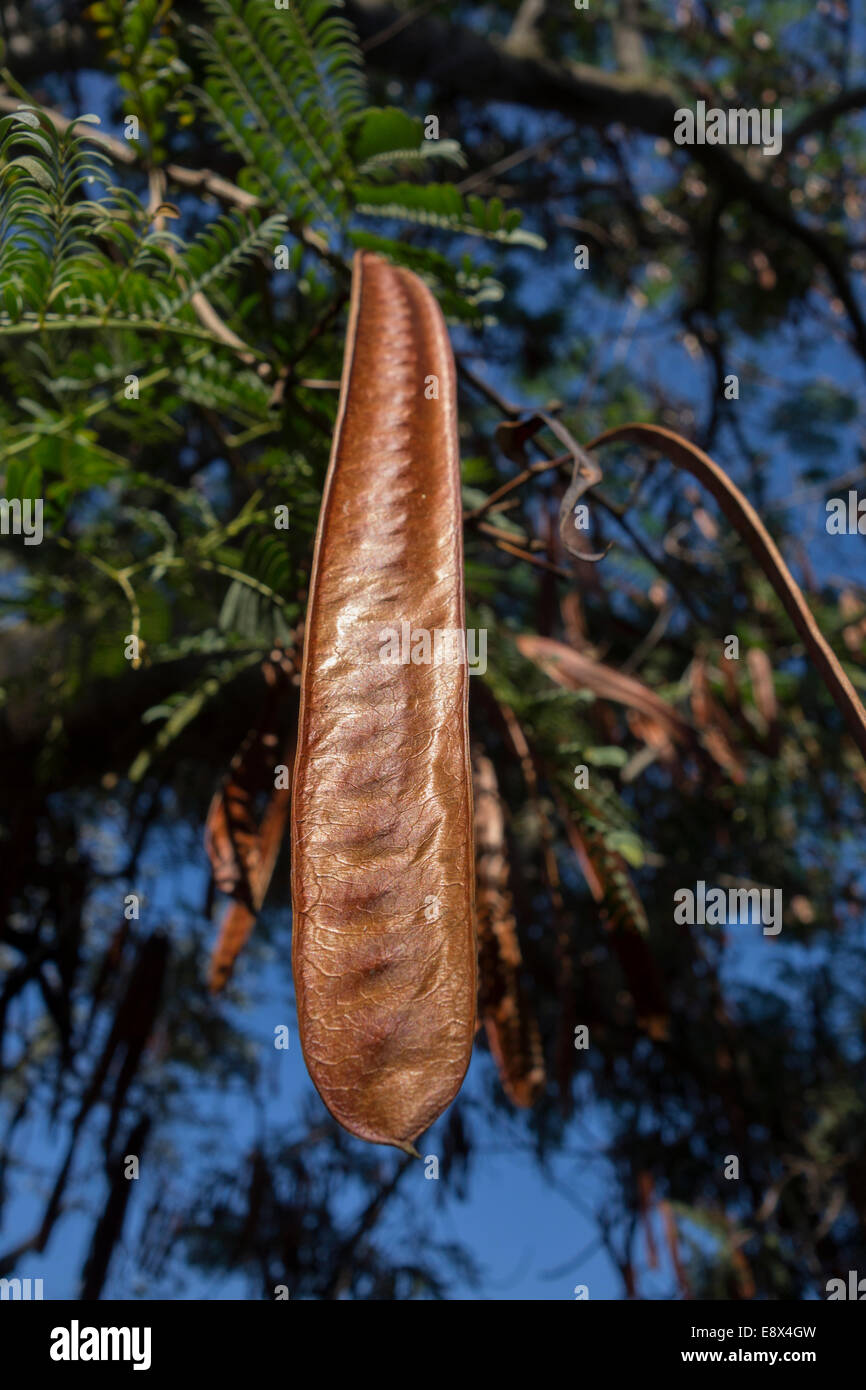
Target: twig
pixel 505 543
pixel 532 471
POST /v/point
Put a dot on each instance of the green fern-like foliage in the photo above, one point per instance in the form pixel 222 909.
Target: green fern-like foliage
pixel 103 357
pixel 95 290
pixel 281 87
pixel 130 324
pixel 149 70
pixel 285 90
pixel 103 262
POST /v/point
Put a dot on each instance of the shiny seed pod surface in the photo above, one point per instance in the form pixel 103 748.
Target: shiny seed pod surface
pixel 382 841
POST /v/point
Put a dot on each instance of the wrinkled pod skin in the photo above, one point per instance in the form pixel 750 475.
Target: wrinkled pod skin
pixel 383 945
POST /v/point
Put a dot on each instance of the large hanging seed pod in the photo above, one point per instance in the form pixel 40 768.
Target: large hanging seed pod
pixel 382 846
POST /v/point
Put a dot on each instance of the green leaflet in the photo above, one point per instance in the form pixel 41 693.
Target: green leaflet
pixel 386 135
pixel 442 205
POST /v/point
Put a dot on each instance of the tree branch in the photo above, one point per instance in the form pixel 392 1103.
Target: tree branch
pixel 823 117
pixel 486 69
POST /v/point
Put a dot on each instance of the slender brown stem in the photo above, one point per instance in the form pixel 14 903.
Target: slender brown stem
pixel 745 519
pixel 543 466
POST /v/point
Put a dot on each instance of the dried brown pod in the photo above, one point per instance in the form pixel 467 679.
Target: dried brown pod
pixel 854 632
pixel 512 1030
pixel 578 671
pixel 231 833
pixel 243 851
pixel 763 689
pixel 622 915
pixel 710 717
pixel 240 916
pixel 382 844
pixel 559 919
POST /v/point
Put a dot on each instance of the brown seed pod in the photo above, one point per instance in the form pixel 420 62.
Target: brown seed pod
pixel 512 1029
pixel 243 849
pixel 240 916
pixel 382 847
pixel 578 671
